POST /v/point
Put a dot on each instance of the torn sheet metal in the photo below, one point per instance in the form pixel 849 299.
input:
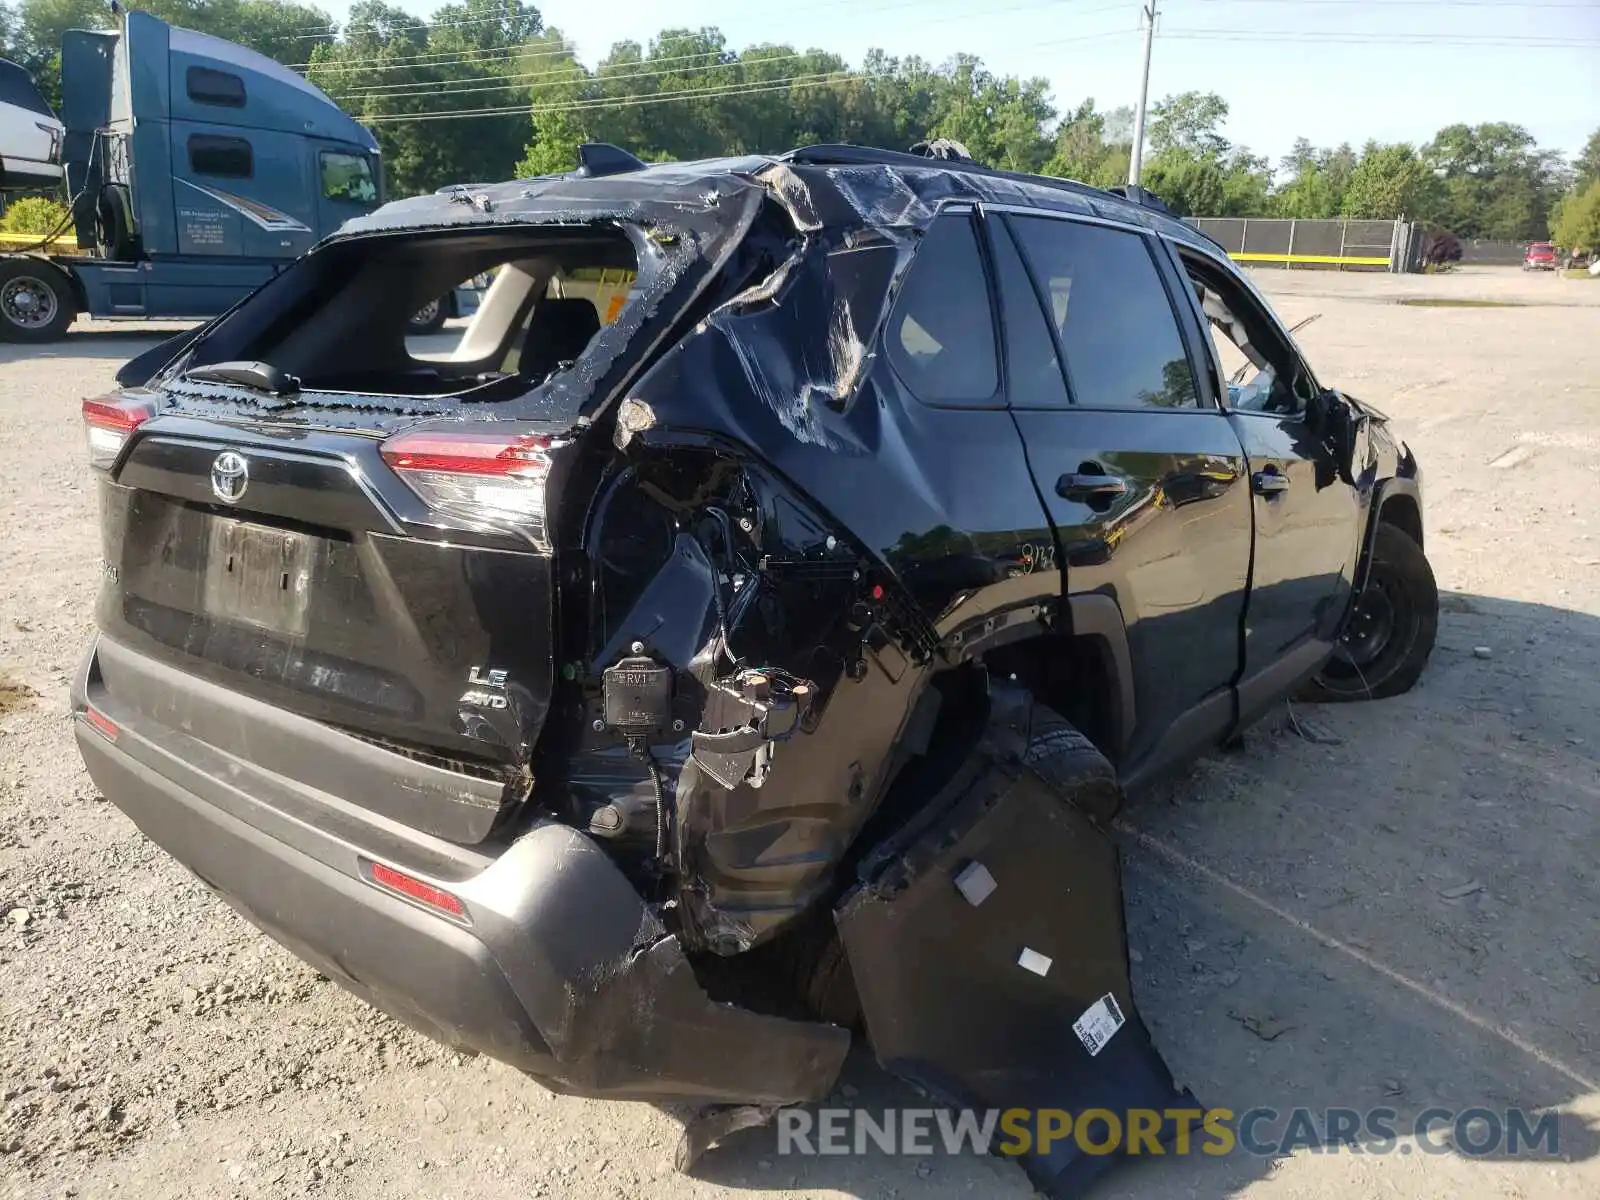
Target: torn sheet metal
pixel 1034 1006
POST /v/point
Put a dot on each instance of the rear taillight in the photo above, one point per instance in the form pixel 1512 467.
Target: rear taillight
pixel 107 422
pixel 476 475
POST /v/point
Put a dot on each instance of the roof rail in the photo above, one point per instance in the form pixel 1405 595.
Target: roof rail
pixel 1135 194
pixel 840 155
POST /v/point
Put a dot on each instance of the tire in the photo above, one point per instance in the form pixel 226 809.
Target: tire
pixel 36 301
pixel 114 237
pixel 1391 628
pixel 1055 750
pixel 430 318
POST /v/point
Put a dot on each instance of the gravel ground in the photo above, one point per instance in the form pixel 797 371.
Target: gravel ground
pixel 1400 909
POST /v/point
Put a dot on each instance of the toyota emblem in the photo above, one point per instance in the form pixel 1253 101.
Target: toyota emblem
pixel 230 475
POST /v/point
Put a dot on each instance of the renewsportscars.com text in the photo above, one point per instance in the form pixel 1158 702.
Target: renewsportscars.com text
pixel 1263 1132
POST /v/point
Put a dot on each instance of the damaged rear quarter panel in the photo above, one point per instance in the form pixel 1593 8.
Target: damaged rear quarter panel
pixel 878 541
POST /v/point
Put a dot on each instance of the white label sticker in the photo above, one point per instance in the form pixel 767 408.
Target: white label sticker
pixel 1099 1022
pixel 1032 960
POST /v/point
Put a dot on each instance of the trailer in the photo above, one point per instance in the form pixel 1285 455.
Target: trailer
pixel 198 169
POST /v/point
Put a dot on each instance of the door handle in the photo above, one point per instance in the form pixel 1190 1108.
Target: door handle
pixel 1089 487
pixel 1269 483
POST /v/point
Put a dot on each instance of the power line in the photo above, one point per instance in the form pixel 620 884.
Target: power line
pixel 535 110
pixel 741 89
pixel 314 32
pixel 567 46
pixel 1382 4
pixel 528 79
pixel 401 61
pixel 1322 36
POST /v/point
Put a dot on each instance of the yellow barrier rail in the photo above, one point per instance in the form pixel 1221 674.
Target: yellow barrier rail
pixel 33 239
pixel 1341 259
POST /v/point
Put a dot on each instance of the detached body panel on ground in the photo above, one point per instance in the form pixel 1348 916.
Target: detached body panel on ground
pixel 612 694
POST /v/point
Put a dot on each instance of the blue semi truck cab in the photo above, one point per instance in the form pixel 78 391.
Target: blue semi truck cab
pixel 197 168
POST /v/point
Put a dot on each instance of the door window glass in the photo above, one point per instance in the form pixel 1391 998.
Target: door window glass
pixel 1117 328
pixel 347 177
pixel 940 337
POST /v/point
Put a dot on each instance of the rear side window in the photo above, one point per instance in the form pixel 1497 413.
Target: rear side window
pixel 215 87
pixel 224 156
pixel 1106 300
pixel 940 337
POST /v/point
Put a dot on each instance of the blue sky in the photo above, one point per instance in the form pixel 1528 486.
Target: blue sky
pixel 1292 84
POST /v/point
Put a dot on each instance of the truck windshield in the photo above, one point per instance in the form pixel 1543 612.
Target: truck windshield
pixel 348 177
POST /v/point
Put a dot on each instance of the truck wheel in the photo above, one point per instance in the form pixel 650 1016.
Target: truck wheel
pixel 1390 633
pixel 36 301
pixel 427 319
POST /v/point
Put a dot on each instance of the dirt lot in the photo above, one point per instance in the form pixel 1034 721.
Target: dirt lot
pixel 1402 910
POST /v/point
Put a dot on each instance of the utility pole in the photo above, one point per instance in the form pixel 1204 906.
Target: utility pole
pixel 1136 161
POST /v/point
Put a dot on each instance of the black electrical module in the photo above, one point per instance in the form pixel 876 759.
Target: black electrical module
pixel 638 695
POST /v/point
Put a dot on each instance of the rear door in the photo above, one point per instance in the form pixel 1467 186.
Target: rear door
pixel 1308 519
pixel 1141 472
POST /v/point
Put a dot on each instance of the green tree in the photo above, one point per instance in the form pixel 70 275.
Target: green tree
pixel 401 75
pixel 998 119
pixel 1087 148
pixel 1315 182
pixel 1190 186
pixel 1497 183
pixel 1191 122
pixel 1587 167
pixel 1576 221
pixel 558 129
pixel 1391 181
pixel 1246 182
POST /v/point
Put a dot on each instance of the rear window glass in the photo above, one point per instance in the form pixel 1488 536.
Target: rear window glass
pixel 227 157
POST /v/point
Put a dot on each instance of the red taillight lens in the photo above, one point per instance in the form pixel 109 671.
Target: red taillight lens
pixel 478 475
pixel 107 422
pixel 415 889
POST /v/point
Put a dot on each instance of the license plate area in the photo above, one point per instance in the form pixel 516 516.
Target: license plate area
pixel 257 575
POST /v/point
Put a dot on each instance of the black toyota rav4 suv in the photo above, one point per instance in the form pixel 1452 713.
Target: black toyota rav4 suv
pixel 743 633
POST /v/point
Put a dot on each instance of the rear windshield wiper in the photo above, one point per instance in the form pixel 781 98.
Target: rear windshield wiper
pixel 259 376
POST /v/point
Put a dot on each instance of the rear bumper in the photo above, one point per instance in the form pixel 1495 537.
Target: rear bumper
pixel 558 967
